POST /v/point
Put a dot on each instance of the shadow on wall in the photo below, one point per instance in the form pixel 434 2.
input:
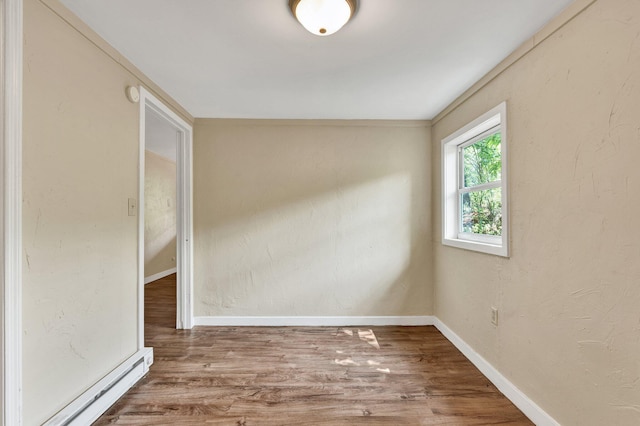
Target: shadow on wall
pixel 312 220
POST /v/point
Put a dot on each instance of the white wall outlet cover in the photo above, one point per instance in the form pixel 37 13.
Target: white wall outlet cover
pixel 133 94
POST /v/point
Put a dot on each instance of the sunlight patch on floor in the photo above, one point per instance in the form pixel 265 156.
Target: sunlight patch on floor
pixel 367 336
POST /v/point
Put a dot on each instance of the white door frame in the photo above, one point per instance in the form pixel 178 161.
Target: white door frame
pixel 11 213
pixel 184 206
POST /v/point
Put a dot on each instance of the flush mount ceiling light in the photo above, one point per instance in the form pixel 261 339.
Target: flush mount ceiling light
pixel 323 17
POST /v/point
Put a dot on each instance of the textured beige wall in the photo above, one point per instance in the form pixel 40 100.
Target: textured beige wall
pixel 80 250
pixel 569 296
pixel 297 218
pixel 159 214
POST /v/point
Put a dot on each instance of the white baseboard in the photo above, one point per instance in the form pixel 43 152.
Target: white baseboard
pixel 154 277
pixel 85 409
pixel 530 409
pixel 313 321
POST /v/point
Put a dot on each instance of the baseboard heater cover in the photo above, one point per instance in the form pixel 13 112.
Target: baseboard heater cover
pixel 86 409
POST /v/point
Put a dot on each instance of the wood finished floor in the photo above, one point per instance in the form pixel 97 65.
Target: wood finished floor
pixel 304 376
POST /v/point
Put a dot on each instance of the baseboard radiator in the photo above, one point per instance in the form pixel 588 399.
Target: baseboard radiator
pixel 85 409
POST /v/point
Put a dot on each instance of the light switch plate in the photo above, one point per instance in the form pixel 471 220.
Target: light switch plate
pixel 494 315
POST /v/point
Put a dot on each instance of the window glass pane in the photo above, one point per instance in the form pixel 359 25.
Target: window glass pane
pixel 482 161
pixel 482 212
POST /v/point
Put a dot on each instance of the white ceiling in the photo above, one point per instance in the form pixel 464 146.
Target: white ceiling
pixel 397 59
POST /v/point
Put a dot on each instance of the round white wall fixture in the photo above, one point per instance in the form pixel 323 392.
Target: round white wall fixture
pixel 133 94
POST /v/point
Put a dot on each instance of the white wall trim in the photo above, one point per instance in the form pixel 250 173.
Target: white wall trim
pixel 299 321
pixel 141 175
pixel 11 213
pixel 184 202
pixel 85 409
pixel 159 275
pixel 519 399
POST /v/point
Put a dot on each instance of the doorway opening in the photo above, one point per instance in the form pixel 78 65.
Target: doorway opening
pixel 165 147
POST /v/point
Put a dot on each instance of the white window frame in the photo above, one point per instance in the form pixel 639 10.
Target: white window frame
pixel 452 169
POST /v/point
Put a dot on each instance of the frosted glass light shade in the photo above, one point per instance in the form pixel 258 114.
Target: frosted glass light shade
pixel 323 17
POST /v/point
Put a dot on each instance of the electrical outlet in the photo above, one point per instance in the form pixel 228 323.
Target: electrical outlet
pixel 494 315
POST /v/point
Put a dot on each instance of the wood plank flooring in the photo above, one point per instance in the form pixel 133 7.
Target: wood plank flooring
pixel 304 376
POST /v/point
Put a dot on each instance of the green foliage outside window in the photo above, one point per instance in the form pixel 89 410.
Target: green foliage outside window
pixel 482 209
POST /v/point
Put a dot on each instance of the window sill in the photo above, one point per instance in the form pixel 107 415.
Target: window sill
pixel 496 250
